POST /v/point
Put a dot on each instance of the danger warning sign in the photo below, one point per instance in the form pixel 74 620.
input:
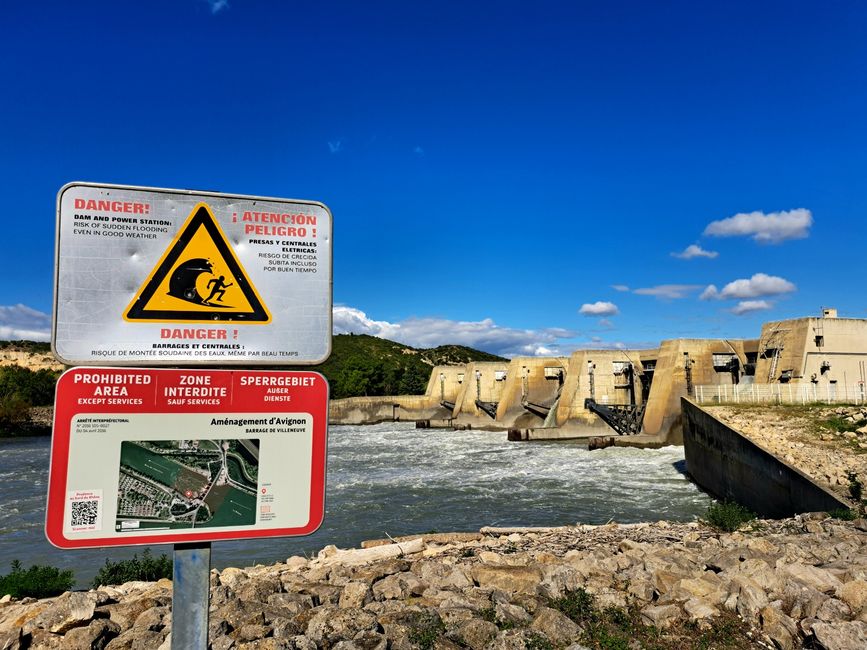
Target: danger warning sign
pixel 175 277
pixel 198 279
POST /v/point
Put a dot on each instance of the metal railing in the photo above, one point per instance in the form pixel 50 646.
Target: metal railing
pixel 781 394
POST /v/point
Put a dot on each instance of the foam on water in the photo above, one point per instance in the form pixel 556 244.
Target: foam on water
pixel 395 479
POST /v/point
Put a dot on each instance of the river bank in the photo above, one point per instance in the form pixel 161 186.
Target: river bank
pixel 774 584
pixel 828 443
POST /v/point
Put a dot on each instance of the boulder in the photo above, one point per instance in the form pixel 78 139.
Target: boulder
pixel 841 636
pixel 661 616
pixel 476 633
pixel 559 628
pixel 510 579
pixel 72 609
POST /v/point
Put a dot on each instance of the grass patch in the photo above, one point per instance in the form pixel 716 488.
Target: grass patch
pixel 146 568
pixel 426 629
pixel 728 516
pixel 618 628
pixel 35 582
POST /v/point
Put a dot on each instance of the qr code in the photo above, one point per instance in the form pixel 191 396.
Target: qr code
pixel 85 513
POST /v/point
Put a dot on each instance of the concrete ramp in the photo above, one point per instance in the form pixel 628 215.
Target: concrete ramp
pixel 483 382
pixel 681 365
pixel 533 386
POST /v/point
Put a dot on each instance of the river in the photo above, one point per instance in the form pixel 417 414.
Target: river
pixel 394 479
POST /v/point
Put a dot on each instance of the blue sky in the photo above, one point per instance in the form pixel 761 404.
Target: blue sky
pixel 517 176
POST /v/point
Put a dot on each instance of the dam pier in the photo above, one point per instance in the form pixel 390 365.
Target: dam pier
pixel 633 397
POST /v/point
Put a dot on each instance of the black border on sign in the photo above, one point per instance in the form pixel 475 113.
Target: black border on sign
pixel 201 219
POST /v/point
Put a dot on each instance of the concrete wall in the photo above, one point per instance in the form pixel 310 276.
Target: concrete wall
pixel 730 466
pixel 487 389
pixel 526 381
pixel 571 411
pixel 370 410
pixel 445 383
pixel 843 346
pixel 662 417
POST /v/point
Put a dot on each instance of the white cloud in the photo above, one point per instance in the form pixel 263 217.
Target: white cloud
pixel 23 322
pixel 604 323
pixel 218 5
pixel 710 292
pixel 747 306
pixel 599 308
pixel 694 250
pixel 335 146
pixel 620 287
pixel 759 285
pixel 771 228
pixel 430 332
pixel 668 291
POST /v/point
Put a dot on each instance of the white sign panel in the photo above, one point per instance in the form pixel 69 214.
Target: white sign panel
pixel 152 456
pixel 174 277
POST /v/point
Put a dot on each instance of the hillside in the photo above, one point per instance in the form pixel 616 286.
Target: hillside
pixel 366 365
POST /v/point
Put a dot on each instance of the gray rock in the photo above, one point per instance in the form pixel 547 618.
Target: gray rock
pixel 290 603
pixel 134 639
pixel 93 637
pixel 507 578
pixel 833 610
pixel 841 636
pixel 555 625
pixel 72 609
pixel 355 595
pixel 781 629
pixel 370 640
pixel 854 594
pixel 661 616
pixel 252 632
pixel 330 625
pixel 476 633
pixel 819 579
pixel 513 614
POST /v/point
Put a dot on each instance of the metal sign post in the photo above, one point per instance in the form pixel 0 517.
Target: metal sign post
pixel 161 277
pixel 190 591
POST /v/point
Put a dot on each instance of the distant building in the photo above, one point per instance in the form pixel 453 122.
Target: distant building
pixel 823 350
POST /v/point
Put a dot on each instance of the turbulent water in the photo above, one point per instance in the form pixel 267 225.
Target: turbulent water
pixel 394 479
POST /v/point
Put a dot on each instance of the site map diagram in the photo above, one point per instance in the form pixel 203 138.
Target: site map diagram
pixel 182 484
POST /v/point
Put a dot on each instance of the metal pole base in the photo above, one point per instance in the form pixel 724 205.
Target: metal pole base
pixel 190 591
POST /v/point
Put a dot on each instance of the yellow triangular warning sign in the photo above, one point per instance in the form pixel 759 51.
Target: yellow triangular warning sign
pixel 197 279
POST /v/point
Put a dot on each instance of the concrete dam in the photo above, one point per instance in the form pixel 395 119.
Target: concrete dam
pixel 631 395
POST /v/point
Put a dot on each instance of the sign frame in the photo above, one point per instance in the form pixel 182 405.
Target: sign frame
pixel 67 408
pixel 195 197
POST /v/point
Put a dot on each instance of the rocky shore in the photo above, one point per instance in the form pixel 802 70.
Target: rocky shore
pixel 785 584
pixel 805 438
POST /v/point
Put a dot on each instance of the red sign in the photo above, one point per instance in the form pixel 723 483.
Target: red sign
pixel 144 456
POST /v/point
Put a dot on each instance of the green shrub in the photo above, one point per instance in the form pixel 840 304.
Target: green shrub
pixel 844 514
pixel 577 605
pixel 35 387
pixel 728 515
pixel 426 629
pixel 856 488
pixel 14 411
pixel 35 582
pixel 145 568
pixel 537 641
